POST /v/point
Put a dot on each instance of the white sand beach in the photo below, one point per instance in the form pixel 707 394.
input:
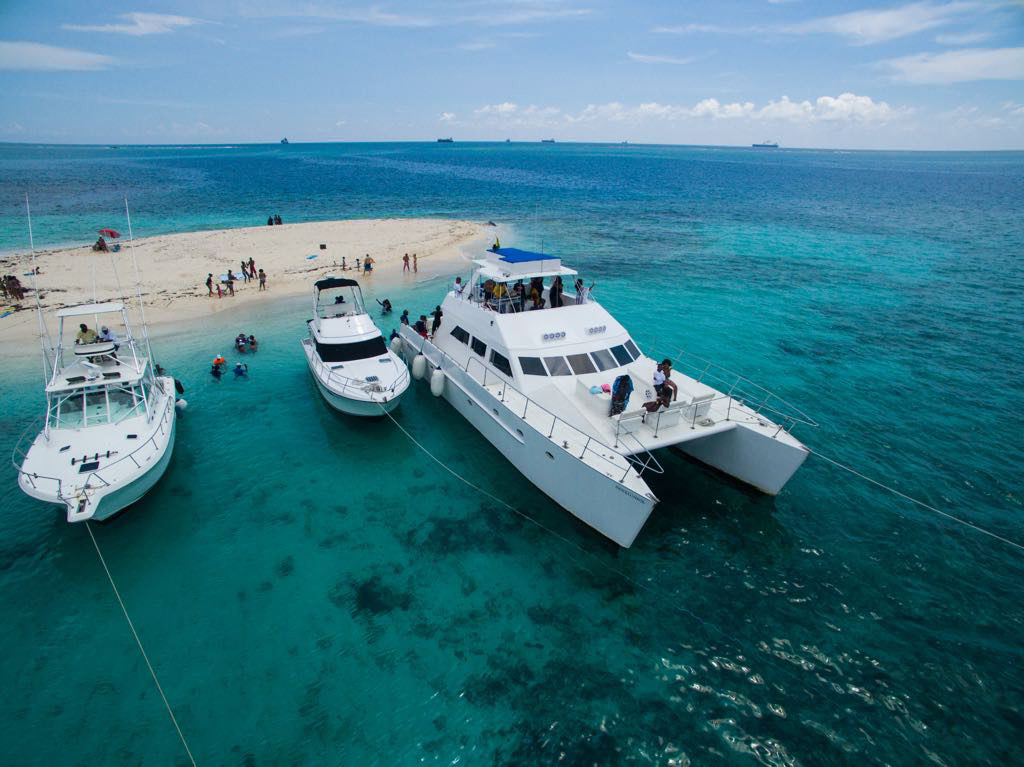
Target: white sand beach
pixel 173 268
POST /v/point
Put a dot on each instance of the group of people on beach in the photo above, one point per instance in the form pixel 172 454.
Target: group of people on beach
pixel 248 272
pixel 275 219
pixel 415 263
pixel 12 287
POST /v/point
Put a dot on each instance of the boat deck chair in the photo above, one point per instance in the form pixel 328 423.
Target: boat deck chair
pixel 628 423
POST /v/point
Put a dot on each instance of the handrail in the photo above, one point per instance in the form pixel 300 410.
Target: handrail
pixel 737 388
pixel 358 384
pixel 168 409
pixel 528 402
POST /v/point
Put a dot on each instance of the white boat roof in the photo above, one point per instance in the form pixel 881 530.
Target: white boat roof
pixel 84 309
pixel 497 272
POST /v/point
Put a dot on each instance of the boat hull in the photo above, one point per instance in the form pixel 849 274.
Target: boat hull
pixel 352 406
pixel 599 501
pixel 123 497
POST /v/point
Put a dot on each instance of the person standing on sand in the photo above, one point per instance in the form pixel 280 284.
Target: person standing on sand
pixel 415 264
pixel 405 262
pixel 367 264
pixel 245 273
pixel 231 283
pixel 209 283
pixel 220 293
pixel 263 280
pixel 277 219
pixel 252 268
pixel 270 220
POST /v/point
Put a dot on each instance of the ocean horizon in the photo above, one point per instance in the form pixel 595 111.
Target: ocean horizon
pixel 313 588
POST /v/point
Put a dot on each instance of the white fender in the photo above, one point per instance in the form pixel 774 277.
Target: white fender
pixel 181 403
pixel 419 366
pixel 396 346
pixel 437 383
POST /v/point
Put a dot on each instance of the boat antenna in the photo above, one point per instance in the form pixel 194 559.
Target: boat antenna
pixel 138 284
pixel 44 336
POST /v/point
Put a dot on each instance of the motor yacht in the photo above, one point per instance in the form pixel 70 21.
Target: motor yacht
pixel 108 432
pixel 346 353
pixel 559 387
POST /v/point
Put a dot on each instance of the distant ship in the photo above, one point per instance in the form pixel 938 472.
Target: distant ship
pixel 547 141
pixel 766 144
pixel 284 141
pixel 448 140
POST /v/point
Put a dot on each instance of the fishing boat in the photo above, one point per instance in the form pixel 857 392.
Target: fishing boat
pixel 347 356
pixel 108 432
pixel 561 391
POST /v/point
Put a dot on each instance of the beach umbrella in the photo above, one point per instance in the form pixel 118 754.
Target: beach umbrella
pixel 113 233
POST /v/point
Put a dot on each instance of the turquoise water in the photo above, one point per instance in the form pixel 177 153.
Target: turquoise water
pixel 312 589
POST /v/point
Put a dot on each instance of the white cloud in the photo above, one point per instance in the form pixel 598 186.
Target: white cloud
pixel 967 38
pixel 36 57
pixel 339 123
pixel 138 24
pixel 1015 109
pixel 845 108
pixel 446 117
pixel 505 108
pixel 645 58
pixel 958 66
pixel 687 29
pixel 477 45
pixel 880 25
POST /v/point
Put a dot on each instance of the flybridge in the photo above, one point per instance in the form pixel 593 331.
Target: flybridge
pixel 502 263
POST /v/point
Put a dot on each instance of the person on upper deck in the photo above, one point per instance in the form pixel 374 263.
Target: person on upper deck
pixel 661 379
pixel 85 335
pixel 459 287
pixel 663 400
pixel 582 291
pixel 536 293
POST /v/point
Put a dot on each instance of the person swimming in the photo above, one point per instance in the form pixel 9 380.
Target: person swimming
pixel 253 345
pixel 241 370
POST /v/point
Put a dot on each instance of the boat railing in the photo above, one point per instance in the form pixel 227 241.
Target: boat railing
pixel 590 443
pixel 357 384
pixel 737 387
pixel 34 477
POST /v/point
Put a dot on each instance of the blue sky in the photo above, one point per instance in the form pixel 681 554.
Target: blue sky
pixel 919 75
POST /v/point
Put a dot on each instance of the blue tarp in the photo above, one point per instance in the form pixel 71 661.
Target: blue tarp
pixel 517 256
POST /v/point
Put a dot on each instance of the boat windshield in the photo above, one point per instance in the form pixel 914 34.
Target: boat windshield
pixel 96 405
pixel 351 351
pixel 339 302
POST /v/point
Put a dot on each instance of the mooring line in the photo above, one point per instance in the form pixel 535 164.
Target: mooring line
pixel 138 641
pixel 585 552
pixel 922 504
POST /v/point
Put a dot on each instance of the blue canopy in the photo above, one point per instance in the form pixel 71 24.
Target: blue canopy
pixel 517 256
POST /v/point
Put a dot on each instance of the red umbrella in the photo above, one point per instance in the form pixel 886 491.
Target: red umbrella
pixel 113 233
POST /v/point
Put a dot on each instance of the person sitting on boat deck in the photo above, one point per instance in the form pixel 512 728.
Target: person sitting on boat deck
pixel 252 343
pixel 582 291
pixel 518 296
pixel 404 319
pixel 241 369
pixel 661 378
pixel 459 287
pixel 622 387
pixel 421 325
pixel 488 292
pixel 106 334
pixel 500 294
pixel 339 299
pixel 85 335
pixel 555 293
pixel 664 399
pixel 536 293
pixel 437 314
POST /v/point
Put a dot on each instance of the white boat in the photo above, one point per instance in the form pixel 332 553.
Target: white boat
pixel 534 383
pixel 108 432
pixel 346 353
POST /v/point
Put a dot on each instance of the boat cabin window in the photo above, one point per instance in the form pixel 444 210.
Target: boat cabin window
pixel 604 359
pixel 631 347
pixel 621 355
pixel 355 350
pixel 581 364
pixel 500 361
pixel 460 334
pixel 339 302
pixel 557 366
pixel 479 346
pixel 532 366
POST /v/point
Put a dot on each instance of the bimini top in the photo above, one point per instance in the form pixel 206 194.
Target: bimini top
pixel 335 282
pixel 79 311
pixel 517 256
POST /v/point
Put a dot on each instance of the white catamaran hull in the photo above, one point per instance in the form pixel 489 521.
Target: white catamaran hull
pixel 602 502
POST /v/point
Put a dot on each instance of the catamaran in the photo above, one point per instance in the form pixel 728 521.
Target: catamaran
pixel 346 353
pixel 562 390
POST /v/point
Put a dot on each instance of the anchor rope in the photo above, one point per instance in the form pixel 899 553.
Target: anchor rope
pixel 894 491
pixel 138 641
pixel 585 552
